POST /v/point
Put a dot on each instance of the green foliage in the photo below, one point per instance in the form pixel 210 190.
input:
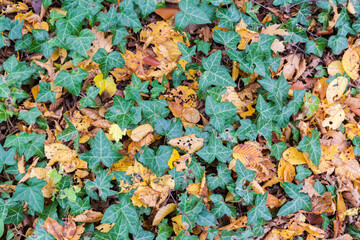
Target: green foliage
pixel 300 200
pixel 31 193
pixel 312 146
pixel 71 81
pixel 108 61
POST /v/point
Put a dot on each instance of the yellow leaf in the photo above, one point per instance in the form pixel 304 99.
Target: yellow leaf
pixel 286 171
pixel 350 63
pixel 335 67
pixel 178 224
pixel 191 115
pixel 336 117
pixel 336 89
pixel 105 227
pixel 174 156
pixel 189 143
pixel 352 212
pixel 140 132
pixel 231 96
pixel 250 111
pixel 89 216
pixel 106 85
pixel 116 132
pixel 246 35
pixel 274 30
pixel 163 212
pixel 122 165
pixel 293 156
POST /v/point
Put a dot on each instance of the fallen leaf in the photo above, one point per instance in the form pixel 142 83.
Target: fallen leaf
pixel 89 216
pixel 107 85
pixel 336 89
pixel 140 132
pixel 350 63
pixel 336 117
pixel 163 212
pixel 335 67
pixel 189 143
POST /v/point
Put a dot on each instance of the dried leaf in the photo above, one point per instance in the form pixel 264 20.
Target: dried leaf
pixel 163 212
pixel 189 143
pixel 336 117
pixel 350 63
pixel 89 216
pixel 140 132
pixel 336 89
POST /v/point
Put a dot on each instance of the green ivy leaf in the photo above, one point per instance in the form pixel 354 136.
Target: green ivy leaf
pixel 215 149
pixel 311 104
pixel 19 71
pixel 338 43
pixel 119 112
pixel 220 207
pixel 81 43
pixel 230 38
pixel 302 173
pixel 101 151
pixel 190 13
pixel 300 200
pixel 219 2
pixel 124 214
pixel 29 144
pixel 70 133
pixel 222 179
pixel 31 193
pixel 146 6
pixel 219 112
pixel 15 32
pixel 153 110
pixel 203 46
pixel 169 128
pixel 71 81
pixel 192 206
pixel 127 16
pixel 158 163
pixel 45 93
pixel 80 205
pixel 260 211
pixel 312 146
pixel 247 130
pixel 6 157
pixel 229 17
pixel 107 20
pixel 30 116
pixel 89 99
pixel 215 74
pixel 72 24
pixel 316 47
pixel 101 184
pixel 108 61
pixel 186 52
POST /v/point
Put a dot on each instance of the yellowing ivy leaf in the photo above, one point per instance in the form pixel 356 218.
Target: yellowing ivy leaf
pixel 116 132
pixel 106 85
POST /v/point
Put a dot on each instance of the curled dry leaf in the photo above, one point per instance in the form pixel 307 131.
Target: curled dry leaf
pixel 350 63
pixel 140 132
pixel 335 67
pixel 191 115
pixel 336 117
pixel 336 89
pixel 89 216
pixel 163 212
pixel 63 232
pixel 286 171
pixel 189 143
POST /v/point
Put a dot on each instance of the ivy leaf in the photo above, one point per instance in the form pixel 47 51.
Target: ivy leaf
pixel 218 2
pixel 71 24
pixel 215 149
pixel 119 112
pixel 102 184
pixel 119 34
pixel 124 214
pixel 40 233
pixel 203 46
pixel 80 205
pixel 278 89
pixel 312 146
pixel 30 116
pixel 107 20
pixel 18 71
pixel 153 110
pixel 205 218
pixel 338 43
pixel 70 133
pixel 219 112
pixel 15 32
pixel 71 81
pixel 169 128
pixel 215 74
pixel 191 206
pixel 186 52
pixel 316 47
pixel 127 16
pixel 300 200
pixel 31 193
pixel 247 130
pixel 164 232
pixel 146 6
pixel 302 173
pixel 230 38
pixel 267 110
pixel 101 151
pixel 190 13
pixel 108 61
pixel 6 157
pixel 81 43
pixel 277 149
pixel 45 93
pixel 144 235
pixel 260 211
pixel 221 208
pixel 29 144
pixel 156 162
pixel 222 179
pixel 311 104
pixel 89 99
pixel 229 17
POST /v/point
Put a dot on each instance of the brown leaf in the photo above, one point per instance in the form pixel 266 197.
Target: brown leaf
pixel 166 13
pixel 189 143
pixel 163 212
pixel 69 231
pixel 140 132
pixel 89 216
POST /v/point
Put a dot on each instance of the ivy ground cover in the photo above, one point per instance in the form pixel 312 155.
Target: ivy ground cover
pixel 169 119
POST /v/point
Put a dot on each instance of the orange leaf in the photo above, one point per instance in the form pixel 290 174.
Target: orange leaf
pixel 166 13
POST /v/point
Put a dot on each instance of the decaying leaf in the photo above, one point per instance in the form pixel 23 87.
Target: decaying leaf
pixel 189 143
pixel 336 117
pixel 163 212
pixel 89 216
pixel 140 132
pixel 63 232
pixel 350 63
pixel 336 89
